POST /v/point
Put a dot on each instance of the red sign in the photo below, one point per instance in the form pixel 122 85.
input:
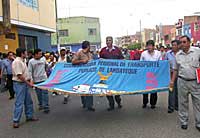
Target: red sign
pixel 198 75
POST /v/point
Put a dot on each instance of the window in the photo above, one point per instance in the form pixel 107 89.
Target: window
pixel 10 36
pixel 30 3
pixel 63 33
pixel 28 42
pixel 92 31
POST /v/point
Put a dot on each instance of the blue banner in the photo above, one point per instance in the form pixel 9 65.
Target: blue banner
pixel 109 77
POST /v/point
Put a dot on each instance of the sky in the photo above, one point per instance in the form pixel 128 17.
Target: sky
pixel 122 17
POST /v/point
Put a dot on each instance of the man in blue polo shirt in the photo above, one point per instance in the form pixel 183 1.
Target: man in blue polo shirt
pixel 173 95
pixel 7 66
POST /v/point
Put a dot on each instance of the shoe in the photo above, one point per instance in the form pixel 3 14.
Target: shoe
pixel 65 100
pixel 198 128
pixel 176 109
pixel 110 108
pixel 46 111
pixel 10 98
pixel 32 119
pixel 144 106
pixel 83 106
pixel 91 109
pixel 40 108
pixel 15 125
pixel 184 127
pixel 170 111
pixel 153 106
pixel 119 106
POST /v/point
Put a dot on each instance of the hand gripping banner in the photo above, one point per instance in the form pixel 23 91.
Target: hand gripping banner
pixel 109 77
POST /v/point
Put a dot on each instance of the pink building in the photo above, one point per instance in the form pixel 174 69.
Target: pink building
pixel 195 31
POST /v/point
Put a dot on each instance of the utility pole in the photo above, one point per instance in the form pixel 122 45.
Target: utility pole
pixel 57 29
pixel 6 16
pixel 141 33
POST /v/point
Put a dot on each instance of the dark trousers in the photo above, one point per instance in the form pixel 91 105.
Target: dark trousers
pixel 87 101
pixel 112 102
pixel 10 85
pixel 173 98
pixel 153 99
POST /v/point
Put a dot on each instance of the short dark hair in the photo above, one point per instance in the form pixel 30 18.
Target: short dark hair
pixel 20 51
pixel 36 51
pixel 150 42
pixel 9 53
pixel 187 37
pixel 85 44
pixel 52 53
pixel 176 41
pixel 109 37
pixel 162 47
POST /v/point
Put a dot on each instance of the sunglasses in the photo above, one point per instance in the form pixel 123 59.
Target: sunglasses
pixel 184 42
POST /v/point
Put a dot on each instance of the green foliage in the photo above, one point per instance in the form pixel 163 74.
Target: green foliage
pixel 134 46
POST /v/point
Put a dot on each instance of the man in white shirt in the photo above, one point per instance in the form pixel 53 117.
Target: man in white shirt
pixel 150 55
pixel 63 58
pixel 21 83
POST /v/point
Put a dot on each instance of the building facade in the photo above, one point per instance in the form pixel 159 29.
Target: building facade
pixel 179 28
pixel 27 24
pixel 192 28
pixel 173 33
pixel 187 30
pixel 148 34
pixel 126 41
pixel 195 32
pixel 73 30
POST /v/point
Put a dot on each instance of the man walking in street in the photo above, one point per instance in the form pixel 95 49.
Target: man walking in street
pixel 83 57
pixel 173 95
pixel 187 62
pixel 150 55
pixel 21 83
pixel 63 58
pixel 7 66
pixel 37 68
pixel 111 52
pixel 3 73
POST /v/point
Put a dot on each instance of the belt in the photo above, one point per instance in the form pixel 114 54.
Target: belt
pixel 19 81
pixel 185 79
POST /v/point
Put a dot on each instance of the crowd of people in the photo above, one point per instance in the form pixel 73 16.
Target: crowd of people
pixel 19 71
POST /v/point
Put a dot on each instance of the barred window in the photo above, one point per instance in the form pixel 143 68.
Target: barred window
pixel 92 31
pixel 63 33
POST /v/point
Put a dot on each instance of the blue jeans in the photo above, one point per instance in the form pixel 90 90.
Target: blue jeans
pixel 173 98
pixel 87 101
pixel 23 98
pixel 43 98
pixel 3 83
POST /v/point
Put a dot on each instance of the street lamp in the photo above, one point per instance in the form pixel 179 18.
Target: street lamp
pixel 57 29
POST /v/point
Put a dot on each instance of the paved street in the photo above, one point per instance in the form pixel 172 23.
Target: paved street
pixel 71 121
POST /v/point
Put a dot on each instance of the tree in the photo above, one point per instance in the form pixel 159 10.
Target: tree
pixel 134 46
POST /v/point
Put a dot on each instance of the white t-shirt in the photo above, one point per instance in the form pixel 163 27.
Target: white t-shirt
pixel 146 56
pixel 62 60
